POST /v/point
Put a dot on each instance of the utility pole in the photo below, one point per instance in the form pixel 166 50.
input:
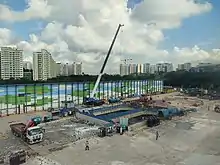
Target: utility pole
pixel 106 60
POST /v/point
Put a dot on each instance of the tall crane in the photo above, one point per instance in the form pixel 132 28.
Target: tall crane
pixel 126 60
pixel 105 62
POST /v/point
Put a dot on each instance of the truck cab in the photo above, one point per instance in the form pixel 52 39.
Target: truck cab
pixel 34 134
pixel 67 108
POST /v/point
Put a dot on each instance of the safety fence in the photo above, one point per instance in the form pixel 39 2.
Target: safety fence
pixel 23 98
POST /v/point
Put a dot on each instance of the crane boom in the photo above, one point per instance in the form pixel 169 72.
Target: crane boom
pixel 105 62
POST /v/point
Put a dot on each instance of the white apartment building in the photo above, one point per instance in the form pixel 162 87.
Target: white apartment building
pixel 140 68
pixel 44 67
pixel 64 69
pixel 146 68
pixel 187 66
pixel 11 63
pixel 184 66
pixel 153 69
pixel 69 69
pixel 58 69
pixel 124 69
pixel 132 68
pixel 78 68
pixel 164 67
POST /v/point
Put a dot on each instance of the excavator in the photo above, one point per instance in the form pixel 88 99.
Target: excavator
pixel 92 100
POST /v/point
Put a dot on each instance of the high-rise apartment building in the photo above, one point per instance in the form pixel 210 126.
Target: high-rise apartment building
pixel 44 67
pixel 58 69
pixel 164 67
pixel 11 63
pixel 124 68
pixel 64 69
pixel 184 66
pixel 153 69
pixel 140 68
pixel 146 68
pixel 187 66
pixel 180 67
pixel 132 68
pixel 78 68
pixel 167 67
pixel 69 69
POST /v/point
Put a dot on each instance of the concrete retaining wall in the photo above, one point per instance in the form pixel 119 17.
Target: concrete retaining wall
pixel 137 125
pixel 91 119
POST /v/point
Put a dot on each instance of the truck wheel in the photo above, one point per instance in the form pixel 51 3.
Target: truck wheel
pixel 13 132
pixel 65 114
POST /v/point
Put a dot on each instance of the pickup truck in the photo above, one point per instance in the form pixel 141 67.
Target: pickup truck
pixel 31 135
pixel 93 102
pixel 112 100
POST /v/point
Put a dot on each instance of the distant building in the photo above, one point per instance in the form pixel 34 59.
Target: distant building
pixel 184 66
pixel 78 68
pixel 69 69
pixel 64 69
pixel 180 67
pixel 27 65
pixel 28 74
pixel 153 69
pixel 146 68
pixel 44 66
pixel 195 69
pixel 187 66
pixel 164 67
pixel 124 69
pixel 132 68
pixel 11 63
pixel 204 64
pixel 140 68
pixel 59 69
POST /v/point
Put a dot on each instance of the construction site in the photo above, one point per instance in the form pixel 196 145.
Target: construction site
pixel 187 128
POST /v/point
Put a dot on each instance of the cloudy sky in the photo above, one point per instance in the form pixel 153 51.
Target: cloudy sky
pixel 174 31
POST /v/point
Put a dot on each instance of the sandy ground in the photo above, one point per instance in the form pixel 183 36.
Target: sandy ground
pixel 190 140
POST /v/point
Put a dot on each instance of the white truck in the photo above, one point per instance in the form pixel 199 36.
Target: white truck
pixel 30 134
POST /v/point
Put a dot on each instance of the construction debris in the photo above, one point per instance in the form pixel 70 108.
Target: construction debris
pixel 217 108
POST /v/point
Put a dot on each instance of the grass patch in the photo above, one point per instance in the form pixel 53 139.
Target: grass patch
pixel 38 89
pixel 89 86
pixel 131 91
pixel 117 89
pixel 126 84
pixel 10 99
pixel 80 93
pixel 46 100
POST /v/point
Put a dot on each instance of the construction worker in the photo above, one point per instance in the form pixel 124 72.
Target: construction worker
pixel 87 145
pixel 157 135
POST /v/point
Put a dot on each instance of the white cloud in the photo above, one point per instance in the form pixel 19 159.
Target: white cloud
pixel 35 9
pixel 83 29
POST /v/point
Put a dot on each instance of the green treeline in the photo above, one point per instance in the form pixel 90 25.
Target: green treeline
pixel 207 80
pixel 177 79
